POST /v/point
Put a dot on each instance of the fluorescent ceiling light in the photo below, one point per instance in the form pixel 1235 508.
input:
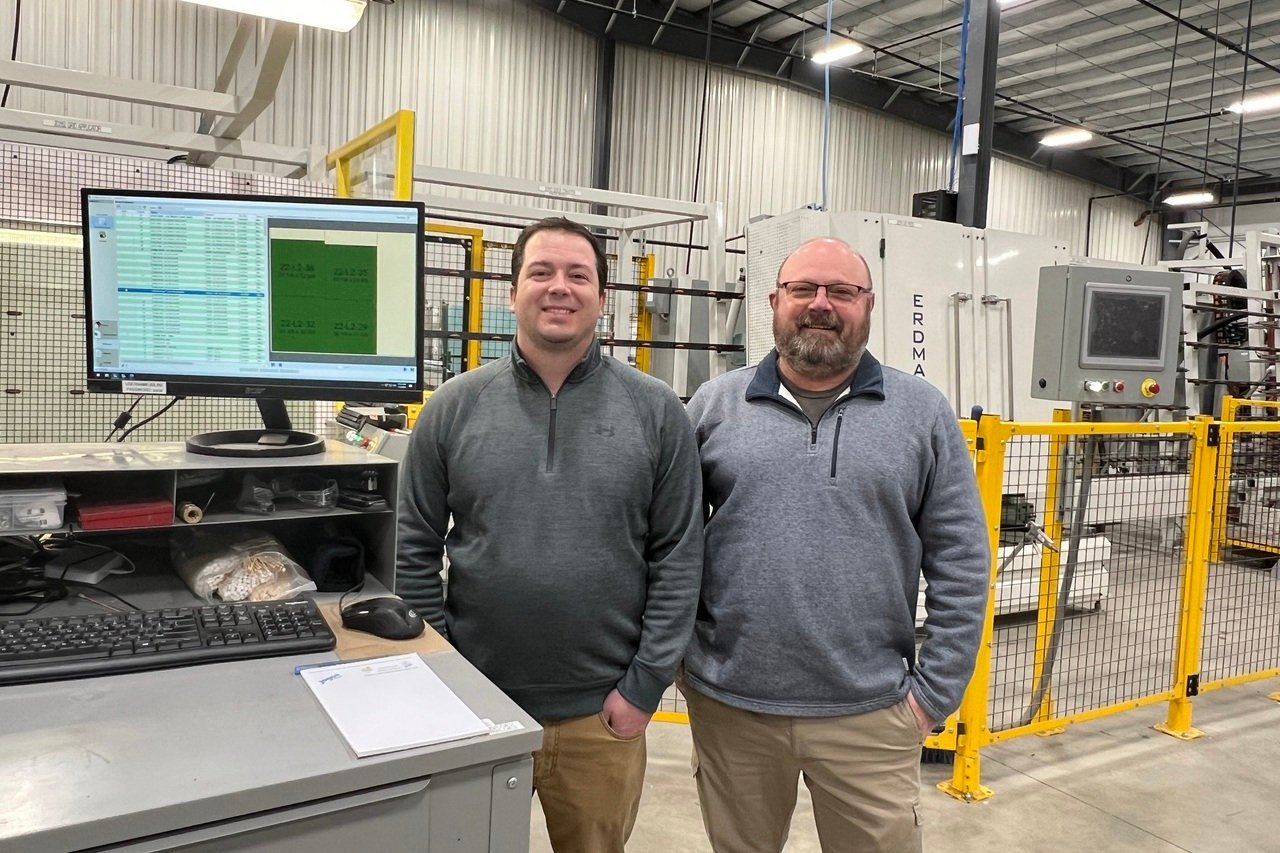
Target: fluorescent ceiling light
pixel 1190 199
pixel 340 15
pixel 835 50
pixel 1065 136
pixel 1257 103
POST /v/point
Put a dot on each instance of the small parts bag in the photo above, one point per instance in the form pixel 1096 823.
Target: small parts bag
pixel 221 566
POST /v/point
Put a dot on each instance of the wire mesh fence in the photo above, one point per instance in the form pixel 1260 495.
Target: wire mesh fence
pixel 468 315
pixel 43 394
pixel 1242 599
pixel 1090 568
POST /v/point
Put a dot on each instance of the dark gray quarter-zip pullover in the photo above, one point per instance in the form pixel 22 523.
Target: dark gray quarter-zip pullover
pixel 575 553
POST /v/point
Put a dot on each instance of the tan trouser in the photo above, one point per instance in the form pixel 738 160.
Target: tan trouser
pixel 863 772
pixel 589 781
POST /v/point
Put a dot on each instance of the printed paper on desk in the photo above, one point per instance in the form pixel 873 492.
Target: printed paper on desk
pixel 390 703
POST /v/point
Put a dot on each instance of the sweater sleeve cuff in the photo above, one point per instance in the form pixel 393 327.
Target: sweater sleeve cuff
pixel 642 688
pixel 927 701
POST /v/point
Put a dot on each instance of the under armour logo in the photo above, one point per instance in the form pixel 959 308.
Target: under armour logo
pixel 604 430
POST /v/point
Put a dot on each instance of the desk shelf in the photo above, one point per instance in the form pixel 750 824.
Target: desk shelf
pixel 167 472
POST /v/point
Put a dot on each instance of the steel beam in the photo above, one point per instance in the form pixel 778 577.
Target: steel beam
pixel 235 50
pixel 131 134
pixel 978 110
pixel 52 79
pixel 260 89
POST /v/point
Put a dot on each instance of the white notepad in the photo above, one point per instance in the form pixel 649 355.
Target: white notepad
pixel 390 703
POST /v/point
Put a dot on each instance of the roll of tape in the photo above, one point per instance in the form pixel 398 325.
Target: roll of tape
pixel 189 512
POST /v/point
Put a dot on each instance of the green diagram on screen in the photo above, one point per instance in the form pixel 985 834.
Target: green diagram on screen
pixel 323 297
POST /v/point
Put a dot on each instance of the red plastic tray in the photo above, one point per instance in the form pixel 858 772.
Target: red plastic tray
pixel 114 515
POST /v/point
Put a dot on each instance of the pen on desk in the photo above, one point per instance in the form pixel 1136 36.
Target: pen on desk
pixel 297 670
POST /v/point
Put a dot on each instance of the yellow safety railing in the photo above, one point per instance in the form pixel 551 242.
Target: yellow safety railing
pixel 1180 599
pixel 644 320
pixel 474 286
pixel 971 732
pixel 1231 413
pixel 397 128
pixel 1237 641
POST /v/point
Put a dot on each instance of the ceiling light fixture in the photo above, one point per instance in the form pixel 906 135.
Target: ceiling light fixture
pixel 1257 104
pixel 1065 136
pixel 339 15
pixel 835 50
pixel 1191 199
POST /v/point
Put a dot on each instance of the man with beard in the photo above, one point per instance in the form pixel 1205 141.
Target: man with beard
pixel 833 483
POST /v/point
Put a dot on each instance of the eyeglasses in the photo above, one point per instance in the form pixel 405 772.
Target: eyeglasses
pixel 837 291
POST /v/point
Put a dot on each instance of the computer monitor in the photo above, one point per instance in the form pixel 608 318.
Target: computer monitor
pixel 268 297
pixel 1107 335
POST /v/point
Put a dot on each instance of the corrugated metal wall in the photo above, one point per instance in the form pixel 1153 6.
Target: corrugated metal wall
pixel 1035 201
pixel 500 86
pixel 763 149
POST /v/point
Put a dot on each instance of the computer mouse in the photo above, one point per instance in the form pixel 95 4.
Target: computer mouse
pixel 386 617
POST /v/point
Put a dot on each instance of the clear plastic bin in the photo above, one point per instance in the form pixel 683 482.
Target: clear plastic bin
pixel 32 509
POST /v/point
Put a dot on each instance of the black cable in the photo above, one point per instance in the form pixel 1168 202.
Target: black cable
pixel 97 588
pixel 123 418
pixel 355 589
pixel 1244 84
pixel 1168 100
pixel 702 129
pixel 13 51
pixel 27 583
pixel 167 406
pixel 1075 534
pixel 1213 79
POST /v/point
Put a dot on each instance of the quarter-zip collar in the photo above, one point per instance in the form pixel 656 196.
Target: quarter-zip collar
pixel 591 362
pixel 866 381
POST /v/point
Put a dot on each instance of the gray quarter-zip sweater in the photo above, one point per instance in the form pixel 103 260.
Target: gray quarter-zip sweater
pixel 576 547
pixel 817 539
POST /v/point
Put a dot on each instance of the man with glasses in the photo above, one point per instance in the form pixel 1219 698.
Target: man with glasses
pixel 834 482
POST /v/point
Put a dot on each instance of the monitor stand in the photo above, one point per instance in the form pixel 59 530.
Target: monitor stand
pixel 278 439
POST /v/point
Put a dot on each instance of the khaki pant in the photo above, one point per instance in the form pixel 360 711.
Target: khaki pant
pixel 589 781
pixel 863 772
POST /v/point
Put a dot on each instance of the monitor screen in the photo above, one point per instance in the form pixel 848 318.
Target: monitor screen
pixel 253 296
pixel 1124 326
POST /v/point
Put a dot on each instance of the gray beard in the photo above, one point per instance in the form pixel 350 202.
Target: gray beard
pixel 820 355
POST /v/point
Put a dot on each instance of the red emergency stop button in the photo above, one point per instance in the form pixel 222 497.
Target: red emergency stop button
pixel 1150 387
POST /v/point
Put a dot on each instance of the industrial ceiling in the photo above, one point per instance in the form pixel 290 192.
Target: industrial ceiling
pixel 1154 80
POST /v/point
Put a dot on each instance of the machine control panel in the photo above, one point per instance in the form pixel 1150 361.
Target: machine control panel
pixel 1108 336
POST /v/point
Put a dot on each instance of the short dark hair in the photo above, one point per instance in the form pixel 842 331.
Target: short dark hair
pixel 568 226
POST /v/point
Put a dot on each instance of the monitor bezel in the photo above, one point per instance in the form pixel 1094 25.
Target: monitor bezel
pixel 239 387
pixel 1122 362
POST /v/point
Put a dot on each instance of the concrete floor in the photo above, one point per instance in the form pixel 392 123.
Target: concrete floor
pixel 1107 785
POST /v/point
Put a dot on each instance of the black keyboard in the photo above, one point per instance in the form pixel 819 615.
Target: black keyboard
pixel 50 648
